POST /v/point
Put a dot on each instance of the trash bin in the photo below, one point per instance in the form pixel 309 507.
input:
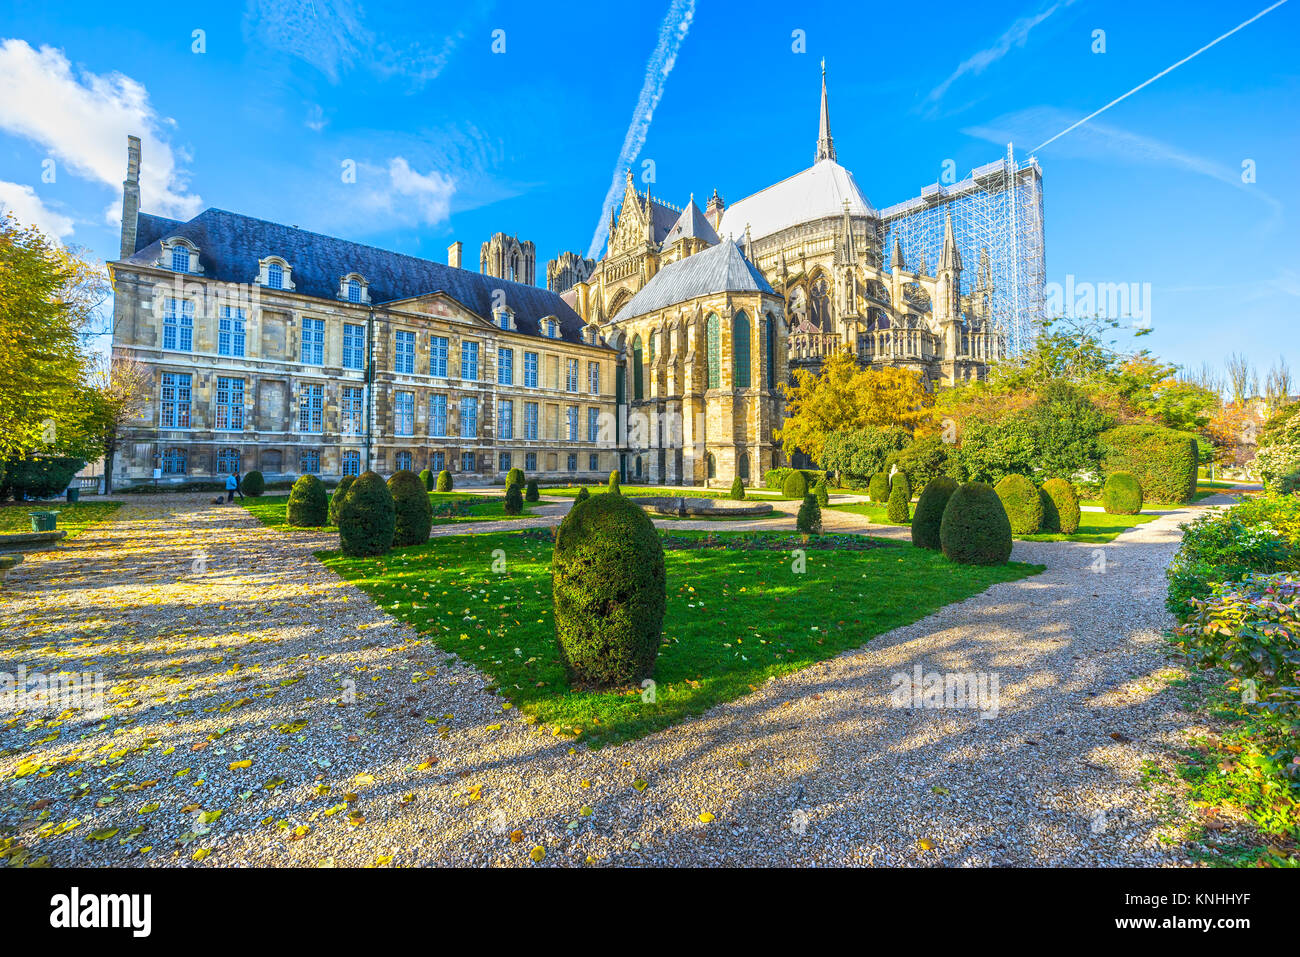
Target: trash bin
pixel 44 521
pixel 74 493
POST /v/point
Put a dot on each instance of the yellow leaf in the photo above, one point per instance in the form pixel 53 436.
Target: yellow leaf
pixel 925 844
pixel 640 784
pixel 538 854
pixel 706 817
pixel 103 834
pixel 236 765
pixel 150 808
pixel 201 853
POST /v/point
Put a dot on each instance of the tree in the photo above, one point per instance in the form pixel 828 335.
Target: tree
pixel 121 390
pixel 1243 381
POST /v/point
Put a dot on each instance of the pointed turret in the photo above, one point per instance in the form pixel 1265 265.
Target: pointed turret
pixel 949 257
pixel 825 145
pixel 896 260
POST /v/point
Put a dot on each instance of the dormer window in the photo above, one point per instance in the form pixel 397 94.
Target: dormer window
pixel 505 320
pixel 180 259
pixel 354 288
pixel 274 273
pixel 179 255
pixel 275 276
pixel 551 328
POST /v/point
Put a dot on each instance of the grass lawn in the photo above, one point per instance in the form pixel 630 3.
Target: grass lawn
pixel 775 513
pixel 1094 527
pixel 569 491
pixel 270 509
pixel 876 513
pixel 734 618
pixel 73 518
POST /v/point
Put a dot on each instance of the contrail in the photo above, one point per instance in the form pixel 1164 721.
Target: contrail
pixel 1170 69
pixel 671 34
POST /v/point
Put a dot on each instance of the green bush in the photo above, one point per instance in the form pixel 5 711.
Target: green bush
pixel 514 499
pixel 1066 502
pixel 308 503
pixel 821 492
pixel 878 488
pixel 427 478
pixel 337 496
pixel 43 477
pixel 1162 460
pixel 1051 517
pixel 582 495
pixel 610 590
pixel 900 500
pixel 1278 458
pixel 737 489
pixel 1024 506
pixel 975 529
pixel 923 460
pixel 1122 494
pixel 857 454
pixel 531 495
pixel 613 481
pixel 252 483
pixel 1289 484
pixel 515 477
pixel 809 519
pixel 775 478
pixel 444 481
pixel 367 517
pixel 413 513
pixel 795 485
pixel 929 511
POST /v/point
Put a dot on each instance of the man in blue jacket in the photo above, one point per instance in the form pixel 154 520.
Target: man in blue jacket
pixel 232 486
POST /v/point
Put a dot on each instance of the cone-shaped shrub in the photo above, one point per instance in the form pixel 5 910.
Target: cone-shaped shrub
pixel 444 481
pixel 1066 500
pixel 253 483
pixel 514 499
pixel 583 495
pixel 337 496
pixel 413 514
pixel 613 481
pixel 308 503
pixel 795 485
pixel 929 511
pixel 809 519
pixel 531 495
pixel 878 488
pixel 427 478
pixel 514 477
pixel 975 529
pixel 1122 494
pixel 900 500
pixel 1023 505
pixel 819 490
pixel 737 489
pixel 367 517
pixel 610 589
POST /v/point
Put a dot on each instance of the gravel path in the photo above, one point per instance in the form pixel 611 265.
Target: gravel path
pixel 262 712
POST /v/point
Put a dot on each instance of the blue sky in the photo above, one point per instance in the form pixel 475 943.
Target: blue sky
pixel 452 140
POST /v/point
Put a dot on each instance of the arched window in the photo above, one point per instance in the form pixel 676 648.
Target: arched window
pixel 354 290
pixel 713 466
pixel 771 351
pixel 713 348
pixel 740 351
pixel 654 346
pixel 638 383
pixel 275 276
pixel 819 304
pixel 742 466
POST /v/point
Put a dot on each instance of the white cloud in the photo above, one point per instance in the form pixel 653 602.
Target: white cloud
pixel 316 118
pixel 83 120
pixel 408 197
pixel 29 210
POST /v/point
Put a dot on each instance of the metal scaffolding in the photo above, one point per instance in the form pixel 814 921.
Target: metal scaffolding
pixel 999 208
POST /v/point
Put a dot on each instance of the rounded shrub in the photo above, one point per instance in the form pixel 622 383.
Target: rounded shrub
pixel 809 519
pixel 413 514
pixel 878 488
pixel 975 529
pixel 514 499
pixel 1023 505
pixel 1122 494
pixel 514 477
pixel 252 483
pixel 929 511
pixel 367 517
pixel 1051 521
pixel 821 492
pixel 610 590
pixel 737 489
pixel 794 485
pixel 337 496
pixel 1066 500
pixel 308 503
pixel 900 500
pixel 444 481
pixel 531 495
pixel 1163 461
pixel 613 481
pixel 427 478
pixel 582 495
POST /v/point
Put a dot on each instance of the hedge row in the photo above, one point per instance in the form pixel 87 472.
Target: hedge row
pixel 1162 460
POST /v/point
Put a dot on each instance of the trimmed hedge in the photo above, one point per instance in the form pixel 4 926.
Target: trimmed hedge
pixel 795 485
pixel 820 491
pixel 427 478
pixel 367 517
pixel 444 481
pixel 775 478
pixel 900 499
pixel 531 494
pixel 514 499
pixel 1066 502
pixel 1162 460
pixel 975 529
pixel 737 489
pixel 929 511
pixel 610 590
pixel 412 511
pixel 613 481
pixel 253 483
pixel 582 495
pixel 43 477
pixel 1051 517
pixel 1023 504
pixel 809 519
pixel 1122 494
pixel 878 488
pixel 308 503
pixel 336 497
pixel 515 477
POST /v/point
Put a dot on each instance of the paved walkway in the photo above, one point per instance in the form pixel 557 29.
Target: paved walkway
pixel 231 735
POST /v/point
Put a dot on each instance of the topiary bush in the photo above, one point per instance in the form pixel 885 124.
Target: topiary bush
pixel 975 529
pixel 531 495
pixel 1163 461
pixel 426 477
pixel 900 500
pixel 514 499
pixel 878 488
pixel 413 513
pixel 336 497
pixel 809 519
pixel 929 511
pixel 610 591
pixel 444 481
pixel 514 477
pixel 737 489
pixel 1024 506
pixel 1122 494
pixel 252 483
pixel 821 492
pixel 1066 502
pixel 367 517
pixel 794 485
pixel 613 481
pixel 1051 517
pixel 308 503
pixel 582 495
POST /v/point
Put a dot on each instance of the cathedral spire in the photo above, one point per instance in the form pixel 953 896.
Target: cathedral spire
pixel 825 146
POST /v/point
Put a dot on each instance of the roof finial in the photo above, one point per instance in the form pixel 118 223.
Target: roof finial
pixel 825 146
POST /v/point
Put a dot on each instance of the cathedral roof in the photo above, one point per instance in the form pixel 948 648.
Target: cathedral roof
pixel 230 246
pixel 691 224
pixel 816 193
pixel 721 268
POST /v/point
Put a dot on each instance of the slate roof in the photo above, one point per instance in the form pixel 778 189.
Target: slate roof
pixel 691 224
pixel 721 268
pixel 230 246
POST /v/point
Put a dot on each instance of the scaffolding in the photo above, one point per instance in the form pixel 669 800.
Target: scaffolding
pixel 998 208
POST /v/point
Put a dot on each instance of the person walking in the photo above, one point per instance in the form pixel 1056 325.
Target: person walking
pixel 232 486
pixel 239 483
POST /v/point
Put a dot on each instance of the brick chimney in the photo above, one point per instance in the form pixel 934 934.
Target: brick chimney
pixel 454 254
pixel 130 196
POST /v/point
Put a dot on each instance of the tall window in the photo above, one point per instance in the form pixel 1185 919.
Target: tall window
pixel 530 370
pixel 311 408
pixel 230 403
pixel 309 462
pixel 404 352
pixel 571 376
pixel 573 462
pixel 313 342
pixel 503 462
pixel 571 422
pixel 593 462
pixel 593 378
pixel 403 461
pixel 175 401
pixel 354 346
pixel 506 418
pixel 230 331
pixel 469 361
pixel 354 290
pixel 468 417
pixel 637 371
pixel 467 461
pixel 174 462
pixel 505 366
pixel 275 276
pixel 178 325
pixel 771 351
pixel 530 461
pixel 551 329
pixel 227 461
pixel 351 413
pixel 530 420
pixel 438 356
pixel 740 351
pixel 403 413
pixel 654 346
pixel 438 415
pixel 593 425
pixel 351 462
pixel 180 259
pixel 713 341
pixel 437 461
